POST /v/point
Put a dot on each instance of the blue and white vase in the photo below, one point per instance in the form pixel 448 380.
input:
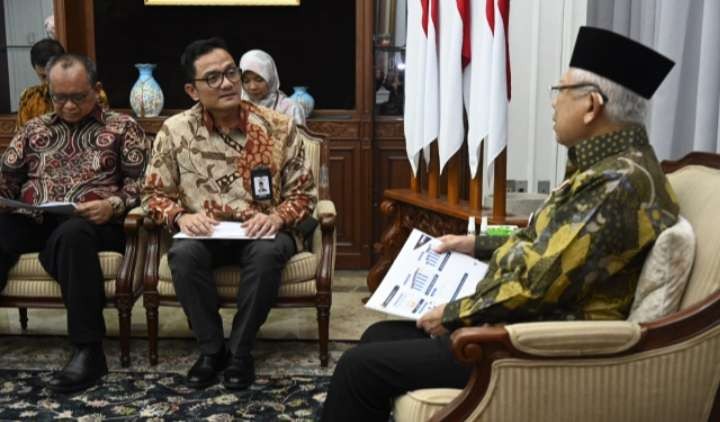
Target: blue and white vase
pixel 146 97
pixel 304 99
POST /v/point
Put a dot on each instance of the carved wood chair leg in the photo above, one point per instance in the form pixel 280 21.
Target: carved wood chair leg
pixel 23 318
pixel 323 316
pixel 151 312
pixel 124 321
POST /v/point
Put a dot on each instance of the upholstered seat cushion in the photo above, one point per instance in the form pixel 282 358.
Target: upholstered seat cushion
pixel 420 405
pixel 29 279
pixel 33 289
pixel 298 277
pixel 29 267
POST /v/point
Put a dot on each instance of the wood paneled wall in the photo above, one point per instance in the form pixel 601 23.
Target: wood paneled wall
pixel 391 171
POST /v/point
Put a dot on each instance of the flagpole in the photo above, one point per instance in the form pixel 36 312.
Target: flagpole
pixel 453 180
pixel 414 182
pixel 476 185
pixel 434 172
pixel 499 187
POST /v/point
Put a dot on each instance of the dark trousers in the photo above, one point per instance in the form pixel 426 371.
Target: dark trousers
pixel 262 261
pixel 68 250
pixel 393 357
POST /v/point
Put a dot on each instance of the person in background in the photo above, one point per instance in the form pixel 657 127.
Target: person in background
pixel 580 256
pixel 95 159
pixel 35 100
pixel 261 85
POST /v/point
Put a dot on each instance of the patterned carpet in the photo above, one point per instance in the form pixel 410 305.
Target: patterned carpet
pixel 290 384
pixel 161 396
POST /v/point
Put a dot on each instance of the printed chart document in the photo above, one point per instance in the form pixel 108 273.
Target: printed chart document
pixel 66 208
pixel 224 230
pixel 420 279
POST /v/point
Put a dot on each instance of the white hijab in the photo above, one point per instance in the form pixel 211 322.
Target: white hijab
pixel 261 63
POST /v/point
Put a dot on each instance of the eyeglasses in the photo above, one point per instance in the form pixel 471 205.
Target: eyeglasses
pixel 555 89
pixel 215 79
pixel 76 99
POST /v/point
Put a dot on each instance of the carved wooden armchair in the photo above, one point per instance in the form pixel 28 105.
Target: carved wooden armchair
pixel 30 286
pixel 664 370
pixel 306 280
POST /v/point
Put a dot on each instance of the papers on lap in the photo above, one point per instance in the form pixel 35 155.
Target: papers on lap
pixel 66 208
pixel 224 230
pixel 421 279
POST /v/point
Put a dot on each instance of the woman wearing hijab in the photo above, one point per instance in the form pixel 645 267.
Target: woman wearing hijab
pixel 261 85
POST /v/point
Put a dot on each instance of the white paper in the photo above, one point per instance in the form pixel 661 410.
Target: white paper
pixel 421 279
pixel 66 208
pixel 224 230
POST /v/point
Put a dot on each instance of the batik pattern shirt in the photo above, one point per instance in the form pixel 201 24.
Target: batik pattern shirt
pixel 581 255
pixel 35 101
pixel 101 157
pixel 194 168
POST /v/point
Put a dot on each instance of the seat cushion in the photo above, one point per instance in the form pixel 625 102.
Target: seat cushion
pixel 29 279
pixel 28 266
pixel 298 277
pixel 34 288
pixel 665 273
pixel 420 405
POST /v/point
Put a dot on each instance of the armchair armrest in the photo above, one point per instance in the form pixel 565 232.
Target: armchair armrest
pixel 152 259
pixel 482 347
pixel 547 339
pixel 326 211
pixel 574 338
pixel 125 286
pixel 137 211
pixel 326 215
pixel 133 221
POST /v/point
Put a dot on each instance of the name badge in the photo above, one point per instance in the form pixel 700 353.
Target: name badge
pixel 261 183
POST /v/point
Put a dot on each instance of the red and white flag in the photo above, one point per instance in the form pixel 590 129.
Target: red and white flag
pixel 431 94
pixel 452 130
pixel 499 82
pixel 415 80
pixel 456 54
pixel 488 81
pixel 422 114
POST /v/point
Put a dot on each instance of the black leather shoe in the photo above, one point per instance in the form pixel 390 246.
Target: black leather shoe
pixel 205 370
pixel 240 374
pixel 84 370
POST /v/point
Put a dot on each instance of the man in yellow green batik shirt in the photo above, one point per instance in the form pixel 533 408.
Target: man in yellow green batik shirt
pixel 579 257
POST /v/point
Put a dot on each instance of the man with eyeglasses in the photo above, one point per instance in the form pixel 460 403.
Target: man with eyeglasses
pixel 35 100
pixel 227 160
pixel 579 257
pixel 95 159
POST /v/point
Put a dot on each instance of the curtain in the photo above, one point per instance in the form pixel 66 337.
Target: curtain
pixel 684 113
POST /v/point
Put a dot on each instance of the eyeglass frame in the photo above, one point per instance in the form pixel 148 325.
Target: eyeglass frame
pixel 62 99
pixel 597 89
pixel 222 75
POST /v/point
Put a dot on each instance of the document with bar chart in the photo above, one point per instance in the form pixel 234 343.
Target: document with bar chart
pixel 421 279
